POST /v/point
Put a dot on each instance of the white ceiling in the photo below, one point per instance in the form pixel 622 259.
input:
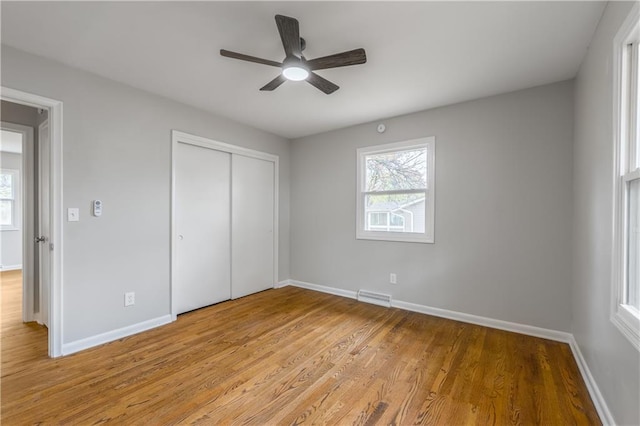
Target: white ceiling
pixel 420 54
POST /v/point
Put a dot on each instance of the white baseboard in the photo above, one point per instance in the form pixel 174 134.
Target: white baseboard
pixel 10 267
pixel 529 330
pixel 282 284
pixel 598 400
pixel 324 289
pixel 110 336
pixel 560 336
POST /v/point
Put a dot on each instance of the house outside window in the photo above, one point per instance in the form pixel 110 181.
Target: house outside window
pixel 625 313
pixel 396 191
pixel 387 221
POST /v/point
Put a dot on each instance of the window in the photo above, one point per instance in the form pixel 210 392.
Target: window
pixel 626 259
pixel 396 191
pixel 8 191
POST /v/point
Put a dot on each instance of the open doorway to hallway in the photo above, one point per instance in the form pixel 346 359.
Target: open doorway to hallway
pixel 24 131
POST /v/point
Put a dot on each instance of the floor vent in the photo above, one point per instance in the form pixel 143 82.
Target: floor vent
pixel 375 298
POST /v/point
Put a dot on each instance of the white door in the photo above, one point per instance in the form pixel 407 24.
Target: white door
pixel 44 227
pixel 202 216
pixel 252 247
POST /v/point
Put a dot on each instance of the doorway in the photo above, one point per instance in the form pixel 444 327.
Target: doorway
pixel 40 220
pixel 18 140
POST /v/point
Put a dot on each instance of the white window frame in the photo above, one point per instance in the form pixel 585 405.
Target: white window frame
pixel 626 168
pixel 414 237
pixel 15 189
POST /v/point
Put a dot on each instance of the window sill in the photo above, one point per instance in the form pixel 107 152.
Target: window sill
pixel 402 237
pixel 9 228
pixel 628 322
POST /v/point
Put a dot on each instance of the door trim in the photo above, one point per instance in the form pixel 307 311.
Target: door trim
pixel 55 330
pixel 182 137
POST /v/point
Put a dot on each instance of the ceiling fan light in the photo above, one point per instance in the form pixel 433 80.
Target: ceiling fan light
pixel 295 73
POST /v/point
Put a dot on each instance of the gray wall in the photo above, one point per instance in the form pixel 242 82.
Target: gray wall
pixel 117 143
pixel 503 210
pixel 613 361
pixel 11 240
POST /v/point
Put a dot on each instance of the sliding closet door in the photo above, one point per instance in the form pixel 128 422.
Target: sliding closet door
pixel 202 200
pixel 252 247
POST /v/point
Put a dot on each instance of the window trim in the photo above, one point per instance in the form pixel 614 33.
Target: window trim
pixel 413 237
pixel 625 317
pixel 15 188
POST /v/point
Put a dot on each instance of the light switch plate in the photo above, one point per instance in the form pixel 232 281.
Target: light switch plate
pixel 73 214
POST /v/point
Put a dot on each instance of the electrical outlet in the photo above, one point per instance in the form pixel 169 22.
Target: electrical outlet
pixel 393 279
pixel 129 299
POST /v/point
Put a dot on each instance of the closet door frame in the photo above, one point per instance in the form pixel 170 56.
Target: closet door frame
pixel 186 138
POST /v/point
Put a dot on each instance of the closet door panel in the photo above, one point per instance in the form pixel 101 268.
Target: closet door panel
pixel 202 209
pixel 252 214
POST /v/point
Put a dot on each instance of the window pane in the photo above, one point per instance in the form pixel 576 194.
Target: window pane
pixel 378 219
pixel 396 212
pixel 633 277
pixel 397 220
pixel 396 170
pixel 6 185
pixel 6 212
pixel 10 141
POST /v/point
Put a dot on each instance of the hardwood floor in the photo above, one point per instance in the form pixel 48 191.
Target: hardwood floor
pixel 293 356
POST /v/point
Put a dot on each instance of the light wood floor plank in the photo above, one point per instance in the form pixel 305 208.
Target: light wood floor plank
pixel 291 356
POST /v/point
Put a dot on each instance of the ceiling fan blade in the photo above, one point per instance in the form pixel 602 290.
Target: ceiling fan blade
pixel 323 84
pixel 352 57
pixel 243 57
pixel 289 30
pixel 275 83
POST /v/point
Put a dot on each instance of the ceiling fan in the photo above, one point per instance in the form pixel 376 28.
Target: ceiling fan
pixel 295 66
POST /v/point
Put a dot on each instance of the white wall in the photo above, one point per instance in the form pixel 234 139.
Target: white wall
pixel 613 361
pixel 11 240
pixel 503 210
pixel 117 143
